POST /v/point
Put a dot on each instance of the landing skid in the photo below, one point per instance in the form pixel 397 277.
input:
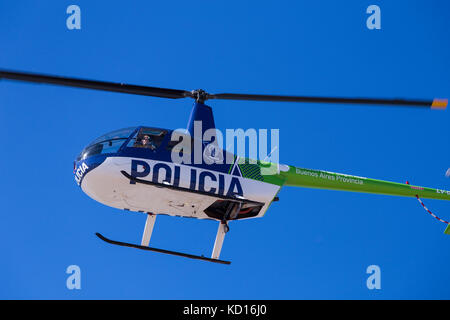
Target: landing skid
pixel 186 255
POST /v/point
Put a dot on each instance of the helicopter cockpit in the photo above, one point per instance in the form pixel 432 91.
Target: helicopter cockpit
pixel 112 142
pixel 107 143
pixel 143 142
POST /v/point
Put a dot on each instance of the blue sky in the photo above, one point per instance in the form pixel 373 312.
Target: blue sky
pixel 312 244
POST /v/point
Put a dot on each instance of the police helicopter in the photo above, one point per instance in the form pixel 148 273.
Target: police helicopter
pixel 133 169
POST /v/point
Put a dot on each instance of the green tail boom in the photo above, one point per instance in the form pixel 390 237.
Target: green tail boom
pixel 300 177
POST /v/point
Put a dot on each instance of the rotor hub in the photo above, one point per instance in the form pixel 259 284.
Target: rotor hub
pixel 199 95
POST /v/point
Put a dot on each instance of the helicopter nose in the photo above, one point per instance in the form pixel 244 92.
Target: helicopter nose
pixel 100 178
pixel 82 166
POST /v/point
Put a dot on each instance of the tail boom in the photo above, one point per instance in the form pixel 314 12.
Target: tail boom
pixel 300 177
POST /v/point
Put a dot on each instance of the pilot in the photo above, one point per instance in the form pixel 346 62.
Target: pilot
pixel 146 142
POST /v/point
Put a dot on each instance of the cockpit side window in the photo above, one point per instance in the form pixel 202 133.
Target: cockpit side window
pixel 148 138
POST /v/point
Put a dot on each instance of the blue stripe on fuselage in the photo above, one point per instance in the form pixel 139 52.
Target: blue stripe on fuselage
pixel 82 167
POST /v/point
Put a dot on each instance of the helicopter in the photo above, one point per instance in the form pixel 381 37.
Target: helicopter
pixel 133 169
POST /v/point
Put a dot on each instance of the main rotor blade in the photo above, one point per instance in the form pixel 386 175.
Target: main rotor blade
pixel 436 103
pixel 197 94
pixel 97 85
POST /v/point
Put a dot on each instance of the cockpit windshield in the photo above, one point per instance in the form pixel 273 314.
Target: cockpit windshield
pixel 107 143
pixel 117 134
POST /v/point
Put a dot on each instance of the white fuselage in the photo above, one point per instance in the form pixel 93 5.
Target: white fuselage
pixel 106 184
